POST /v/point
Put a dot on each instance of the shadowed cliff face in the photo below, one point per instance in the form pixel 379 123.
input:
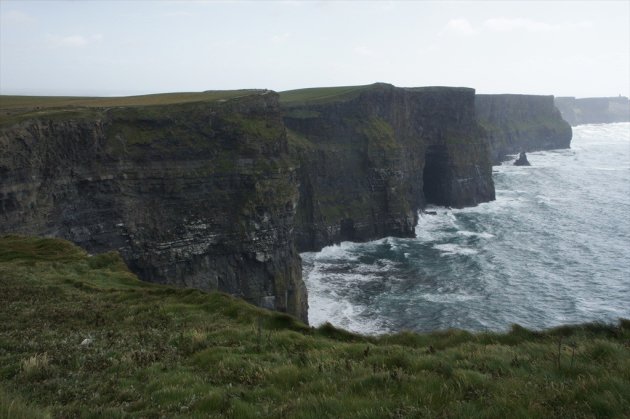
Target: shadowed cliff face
pixel 370 159
pixel 199 195
pixel 516 123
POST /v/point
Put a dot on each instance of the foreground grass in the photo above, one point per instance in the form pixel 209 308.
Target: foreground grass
pixel 82 337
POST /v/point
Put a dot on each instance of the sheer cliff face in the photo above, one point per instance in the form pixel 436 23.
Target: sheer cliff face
pixel 199 195
pixel 370 160
pixel 594 110
pixel 515 123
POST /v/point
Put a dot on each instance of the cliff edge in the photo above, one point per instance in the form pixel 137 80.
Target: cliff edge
pixel 199 194
pixel 371 156
pixel 594 110
pixel 516 123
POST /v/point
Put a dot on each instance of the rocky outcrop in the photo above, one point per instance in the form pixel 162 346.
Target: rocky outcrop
pixel 522 160
pixel 199 195
pixel 370 157
pixel 594 110
pixel 515 123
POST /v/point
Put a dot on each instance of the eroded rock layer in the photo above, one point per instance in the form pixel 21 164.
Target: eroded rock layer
pixel 198 195
pixel 371 157
pixel 521 123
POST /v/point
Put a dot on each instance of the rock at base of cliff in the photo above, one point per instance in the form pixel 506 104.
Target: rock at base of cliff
pixel 522 160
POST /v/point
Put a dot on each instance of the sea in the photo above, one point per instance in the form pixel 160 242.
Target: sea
pixel 552 249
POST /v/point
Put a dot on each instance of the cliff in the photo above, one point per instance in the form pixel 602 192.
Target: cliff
pixel 371 156
pixel 221 190
pixel 199 194
pixel 595 110
pixel 516 123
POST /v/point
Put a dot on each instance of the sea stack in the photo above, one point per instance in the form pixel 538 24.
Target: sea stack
pixel 522 160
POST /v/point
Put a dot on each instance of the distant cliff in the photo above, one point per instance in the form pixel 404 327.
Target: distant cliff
pixel 195 194
pixel 515 123
pixel 371 156
pixel 594 110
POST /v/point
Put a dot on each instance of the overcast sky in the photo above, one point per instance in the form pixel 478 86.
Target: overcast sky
pixel 124 47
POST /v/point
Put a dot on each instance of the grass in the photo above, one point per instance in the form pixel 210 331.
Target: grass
pixel 318 95
pixel 17 108
pixel 157 351
pixel 17 102
pixel 321 95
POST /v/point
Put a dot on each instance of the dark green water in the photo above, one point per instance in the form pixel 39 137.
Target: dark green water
pixel 554 248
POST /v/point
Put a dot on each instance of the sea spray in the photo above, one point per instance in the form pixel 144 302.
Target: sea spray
pixel 552 249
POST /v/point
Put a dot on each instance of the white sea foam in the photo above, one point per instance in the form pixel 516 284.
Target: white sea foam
pixel 482 235
pixel 431 227
pixel 448 297
pixel 529 252
pixel 380 266
pixel 339 251
pixel 394 244
pixel 505 202
pixel 454 249
pixel 610 169
pixel 337 308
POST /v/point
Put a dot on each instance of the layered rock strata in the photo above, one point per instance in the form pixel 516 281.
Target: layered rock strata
pixel 521 123
pixel 372 156
pixel 198 195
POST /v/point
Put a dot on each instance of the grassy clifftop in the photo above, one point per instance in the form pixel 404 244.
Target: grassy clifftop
pixel 81 336
pixel 14 108
pixel 13 102
pixel 318 95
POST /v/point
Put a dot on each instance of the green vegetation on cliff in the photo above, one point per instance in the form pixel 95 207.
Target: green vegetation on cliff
pixel 81 336
pixel 515 123
pixel 316 95
pixel 16 108
pixel 14 102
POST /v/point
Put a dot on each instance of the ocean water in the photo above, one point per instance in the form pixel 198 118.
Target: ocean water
pixel 554 248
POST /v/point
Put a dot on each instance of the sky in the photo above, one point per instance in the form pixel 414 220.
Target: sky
pixel 110 48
